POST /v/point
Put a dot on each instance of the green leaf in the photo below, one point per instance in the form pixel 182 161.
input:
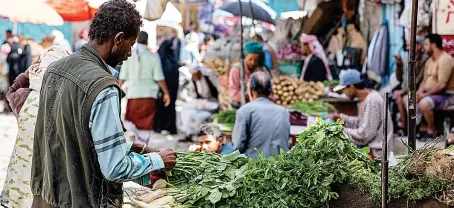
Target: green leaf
pixel 215 196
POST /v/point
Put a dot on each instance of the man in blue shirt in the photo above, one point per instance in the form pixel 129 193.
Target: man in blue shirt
pixel 210 140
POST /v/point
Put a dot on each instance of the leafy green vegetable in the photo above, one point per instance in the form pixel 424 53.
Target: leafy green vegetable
pixel 225 117
pixel 305 176
pixel 315 108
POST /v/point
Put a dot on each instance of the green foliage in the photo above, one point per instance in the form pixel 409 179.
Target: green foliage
pixel 225 117
pixel 315 108
pixel 303 177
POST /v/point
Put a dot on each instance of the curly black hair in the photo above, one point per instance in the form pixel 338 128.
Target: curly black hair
pixel 114 16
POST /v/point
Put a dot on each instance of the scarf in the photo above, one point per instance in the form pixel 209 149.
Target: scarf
pixel 317 50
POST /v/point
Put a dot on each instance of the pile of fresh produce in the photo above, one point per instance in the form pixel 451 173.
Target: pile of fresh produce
pixel 155 197
pixel 322 159
pixel 226 118
pixel 289 90
pixel 218 65
pixel 315 108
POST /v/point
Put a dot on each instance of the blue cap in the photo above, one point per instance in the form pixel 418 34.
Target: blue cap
pixel 347 78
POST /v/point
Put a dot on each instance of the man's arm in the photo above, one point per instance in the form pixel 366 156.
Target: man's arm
pixel 114 157
pixel 239 134
pixel 158 76
pixel 367 129
pixel 349 121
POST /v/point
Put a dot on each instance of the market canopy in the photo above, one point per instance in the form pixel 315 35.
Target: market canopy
pixel 73 10
pixel 36 12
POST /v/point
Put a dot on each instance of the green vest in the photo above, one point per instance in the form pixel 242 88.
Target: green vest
pixel 65 168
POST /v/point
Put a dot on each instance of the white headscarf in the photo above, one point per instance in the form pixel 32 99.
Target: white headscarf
pixel 60 41
pixel 39 67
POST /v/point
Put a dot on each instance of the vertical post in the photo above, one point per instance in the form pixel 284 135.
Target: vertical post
pixel 252 15
pixel 384 161
pixel 411 79
pixel 243 82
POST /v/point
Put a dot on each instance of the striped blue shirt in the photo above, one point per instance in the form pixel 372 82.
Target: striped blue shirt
pixel 116 163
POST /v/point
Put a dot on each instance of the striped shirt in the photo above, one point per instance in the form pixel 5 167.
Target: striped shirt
pixel 115 160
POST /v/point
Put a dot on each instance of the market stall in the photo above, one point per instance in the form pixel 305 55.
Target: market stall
pixel 323 169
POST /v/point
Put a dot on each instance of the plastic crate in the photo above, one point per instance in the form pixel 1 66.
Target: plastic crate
pixel 292 69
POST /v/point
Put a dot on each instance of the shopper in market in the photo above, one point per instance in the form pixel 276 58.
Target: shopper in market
pixel 80 156
pixel 143 76
pixel 261 124
pixel 270 56
pixel 366 129
pixel 400 95
pixel 210 140
pixel 253 62
pixel 437 87
pixel 315 67
pixel 199 110
pixel 166 116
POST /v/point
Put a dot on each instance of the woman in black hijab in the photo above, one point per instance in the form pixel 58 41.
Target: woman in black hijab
pixel 165 118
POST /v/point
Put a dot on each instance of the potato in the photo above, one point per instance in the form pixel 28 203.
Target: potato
pixel 300 97
pixel 307 95
pixel 278 87
pixel 279 92
pixel 291 88
pixel 285 89
pixel 284 103
pixel 310 100
pixel 285 94
pixel 278 102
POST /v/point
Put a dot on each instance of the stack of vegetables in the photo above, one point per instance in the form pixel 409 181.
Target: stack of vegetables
pixel 226 118
pixel 289 90
pixel 218 65
pixel 323 158
pixel 152 198
pixel 315 108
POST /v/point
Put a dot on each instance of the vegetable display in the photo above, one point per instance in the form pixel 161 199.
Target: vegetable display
pixel 315 108
pixel 226 118
pixel 322 158
pixel 289 90
pixel 218 65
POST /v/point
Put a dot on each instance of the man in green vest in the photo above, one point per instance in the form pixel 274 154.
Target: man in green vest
pixel 80 155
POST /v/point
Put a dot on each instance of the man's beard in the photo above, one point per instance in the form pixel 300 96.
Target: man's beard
pixel 430 52
pixel 114 58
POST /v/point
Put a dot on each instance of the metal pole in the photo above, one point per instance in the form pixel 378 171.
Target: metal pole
pixel 252 15
pixel 411 79
pixel 384 161
pixel 243 82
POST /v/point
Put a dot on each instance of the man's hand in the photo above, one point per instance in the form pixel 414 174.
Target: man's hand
pixel 166 99
pixel 398 59
pixel 169 158
pixel 333 116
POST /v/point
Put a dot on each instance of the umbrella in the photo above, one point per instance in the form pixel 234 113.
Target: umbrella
pixel 36 12
pixel 74 10
pixel 258 13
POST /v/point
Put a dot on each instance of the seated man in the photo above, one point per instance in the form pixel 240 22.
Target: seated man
pixel 400 96
pixel 261 124
pixel 197 112
pixel 210 140
pixel 366 129
pixel 437 87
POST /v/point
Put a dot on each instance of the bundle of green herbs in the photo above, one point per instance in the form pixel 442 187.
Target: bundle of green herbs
pixel 315 108
pixel 226 118
pixel 305 176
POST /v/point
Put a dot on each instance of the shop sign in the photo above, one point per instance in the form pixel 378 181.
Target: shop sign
pixel 448 44
pixel 443 19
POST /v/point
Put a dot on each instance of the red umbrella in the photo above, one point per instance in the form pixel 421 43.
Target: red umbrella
pixel 73 10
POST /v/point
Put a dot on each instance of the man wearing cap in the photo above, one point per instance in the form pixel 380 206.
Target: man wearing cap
pixel 400 96
pixel 366 129
pixel 270 56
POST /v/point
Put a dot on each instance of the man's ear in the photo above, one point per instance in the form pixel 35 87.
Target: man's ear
pixel 119 37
